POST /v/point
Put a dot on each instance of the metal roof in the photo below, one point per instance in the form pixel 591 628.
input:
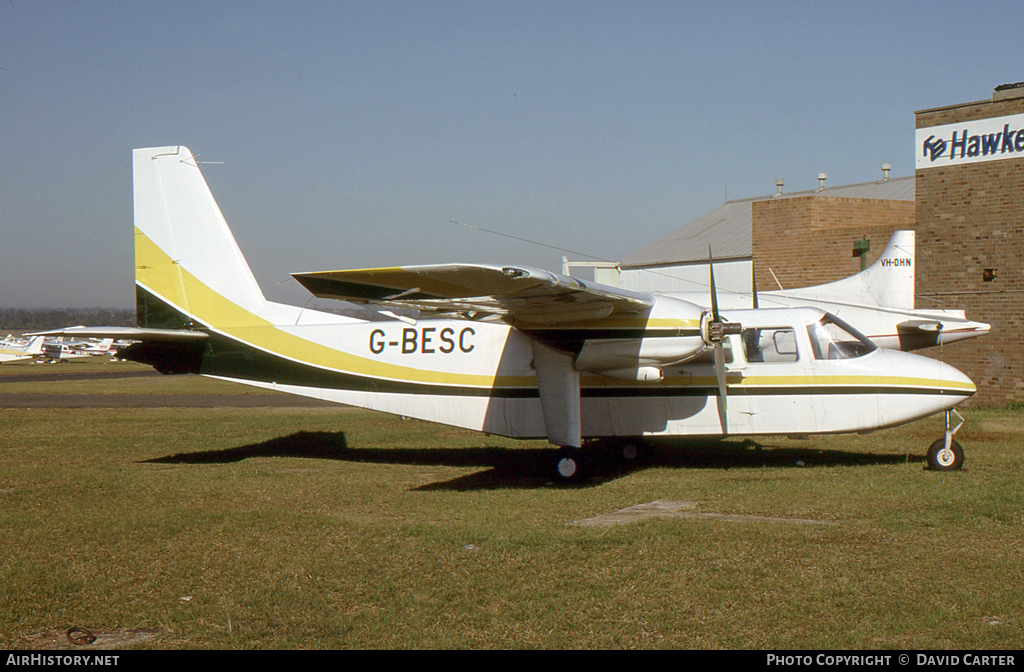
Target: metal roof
pixel 727 228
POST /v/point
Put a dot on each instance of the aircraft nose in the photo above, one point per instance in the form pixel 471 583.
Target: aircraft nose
pixel 957 381
pixel 944 379
pixel 927 386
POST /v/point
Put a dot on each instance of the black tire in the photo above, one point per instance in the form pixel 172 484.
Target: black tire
pixel 941 460
pixel 631 452
pixel 569 465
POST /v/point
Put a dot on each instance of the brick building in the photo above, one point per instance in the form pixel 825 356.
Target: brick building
pixel 966 202
pixel 970 232
pixel 800 238
pixel 809 239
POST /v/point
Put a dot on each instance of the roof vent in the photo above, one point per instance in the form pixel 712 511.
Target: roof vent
pixel 821 181
pixel 778 185
pixel 1004 91
pixel 885 172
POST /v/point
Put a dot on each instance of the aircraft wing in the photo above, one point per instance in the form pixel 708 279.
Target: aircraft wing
pixel 519 295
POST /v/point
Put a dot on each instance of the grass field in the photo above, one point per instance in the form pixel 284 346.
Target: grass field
pixel 336 528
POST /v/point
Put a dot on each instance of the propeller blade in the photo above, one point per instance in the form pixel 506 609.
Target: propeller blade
pixel 753 284
pixel 714 293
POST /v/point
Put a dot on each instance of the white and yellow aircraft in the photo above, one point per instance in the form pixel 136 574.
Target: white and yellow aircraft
pixel 13 352
pixel 508 350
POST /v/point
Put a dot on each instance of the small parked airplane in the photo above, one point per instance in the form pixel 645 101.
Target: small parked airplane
pixel 59 350
pixel 879 301
pixel 508 350
pixel 12 352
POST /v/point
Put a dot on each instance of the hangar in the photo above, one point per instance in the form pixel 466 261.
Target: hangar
pixel 965 200
pixel 792 239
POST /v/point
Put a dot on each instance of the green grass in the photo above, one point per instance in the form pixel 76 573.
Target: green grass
pixel 9 373
pixel 324 528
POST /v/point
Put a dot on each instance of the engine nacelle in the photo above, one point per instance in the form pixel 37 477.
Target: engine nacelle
pixel 671 335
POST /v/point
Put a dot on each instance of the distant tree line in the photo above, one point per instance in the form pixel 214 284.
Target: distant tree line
pixel 38 319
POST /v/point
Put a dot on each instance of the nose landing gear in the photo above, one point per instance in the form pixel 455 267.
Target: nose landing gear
pixel 946 454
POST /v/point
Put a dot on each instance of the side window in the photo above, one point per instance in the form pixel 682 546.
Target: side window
pixel 770 345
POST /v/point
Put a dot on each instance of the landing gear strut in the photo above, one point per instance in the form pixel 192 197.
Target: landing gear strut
pixel 946 454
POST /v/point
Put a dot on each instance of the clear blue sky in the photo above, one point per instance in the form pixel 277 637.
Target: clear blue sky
pixel 352 133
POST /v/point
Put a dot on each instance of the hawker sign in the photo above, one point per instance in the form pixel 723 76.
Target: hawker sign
pixel 971 142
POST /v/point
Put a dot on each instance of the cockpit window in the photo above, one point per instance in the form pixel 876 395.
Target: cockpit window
pixel 770 345
pixel 831 338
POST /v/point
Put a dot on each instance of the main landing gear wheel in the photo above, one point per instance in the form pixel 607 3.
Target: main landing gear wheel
pixel 630 453
pixel 569 465
pixel 942 459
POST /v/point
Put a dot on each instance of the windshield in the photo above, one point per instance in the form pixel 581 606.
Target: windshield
pixel 831 338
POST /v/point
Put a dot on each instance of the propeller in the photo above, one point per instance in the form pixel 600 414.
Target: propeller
pixel 717 330
pixel 753 285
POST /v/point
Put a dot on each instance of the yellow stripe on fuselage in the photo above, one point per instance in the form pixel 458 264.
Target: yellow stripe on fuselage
pixel 854 380
pixel 157 273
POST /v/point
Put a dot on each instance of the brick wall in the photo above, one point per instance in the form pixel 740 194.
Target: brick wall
pixel 969 221
pixel 971 218
pixel 808 240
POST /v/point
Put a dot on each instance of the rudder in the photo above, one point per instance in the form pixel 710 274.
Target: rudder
pixel 187 262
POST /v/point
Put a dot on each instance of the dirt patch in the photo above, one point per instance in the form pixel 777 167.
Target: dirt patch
pixel 86 639
pixel 667 508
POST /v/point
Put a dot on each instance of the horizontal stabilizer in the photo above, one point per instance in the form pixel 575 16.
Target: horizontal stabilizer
pixel 130 334
pixel 921 325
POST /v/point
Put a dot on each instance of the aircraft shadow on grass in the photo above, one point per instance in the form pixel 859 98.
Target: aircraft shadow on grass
pixel 532 467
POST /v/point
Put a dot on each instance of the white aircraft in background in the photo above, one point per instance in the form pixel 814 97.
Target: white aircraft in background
pixel 93 348
pixel 12 351
pixel 508 350
pixel 56 350
pixel 879 301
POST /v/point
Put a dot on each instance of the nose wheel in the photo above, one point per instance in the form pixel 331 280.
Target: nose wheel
pixel 945 458
pixel 946 454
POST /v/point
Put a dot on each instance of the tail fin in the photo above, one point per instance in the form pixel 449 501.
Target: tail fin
pixel 887 283
pixel 187 263
pixel 35 346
